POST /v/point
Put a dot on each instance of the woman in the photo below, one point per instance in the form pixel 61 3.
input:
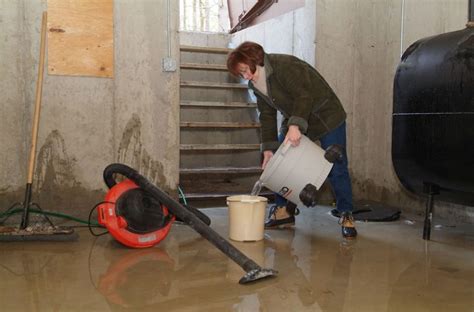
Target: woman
pixel 291 86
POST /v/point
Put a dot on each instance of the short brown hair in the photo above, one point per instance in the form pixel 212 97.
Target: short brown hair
pixel 249 53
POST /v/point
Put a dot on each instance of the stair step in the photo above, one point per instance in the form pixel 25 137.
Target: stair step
pixel 218 147
pixel 221 195
pixel 218 104
pixel 220 85
pixel 220 124
pixel 203 66
pixel 216 170
pixel 213 184
pixel 208 180
pixel 197 49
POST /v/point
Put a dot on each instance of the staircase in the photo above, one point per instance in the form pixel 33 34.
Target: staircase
pixel 219 129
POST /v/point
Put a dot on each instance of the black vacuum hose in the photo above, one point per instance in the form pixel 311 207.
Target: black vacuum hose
pixel 254 271
pixel 110 181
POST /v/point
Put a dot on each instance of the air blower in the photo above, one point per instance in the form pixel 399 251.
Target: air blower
pixel 134 217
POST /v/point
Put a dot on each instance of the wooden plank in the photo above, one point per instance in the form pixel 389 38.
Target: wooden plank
pixel 222 195
pixel 186 48
pixel 219 104
pixel 217 85
pixel 204 66
pixel 80 38
pixel 223 124
pixel 219 147
pixel 212 170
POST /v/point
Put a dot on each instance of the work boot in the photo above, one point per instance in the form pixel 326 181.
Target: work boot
pixel 281 216
pixel 348 227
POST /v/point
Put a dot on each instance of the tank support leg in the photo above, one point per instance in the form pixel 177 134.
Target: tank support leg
pixel 431 190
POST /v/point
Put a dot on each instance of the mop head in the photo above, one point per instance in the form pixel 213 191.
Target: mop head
pixel 37 232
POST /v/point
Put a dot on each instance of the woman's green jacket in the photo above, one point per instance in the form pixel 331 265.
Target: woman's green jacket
pixel 301 94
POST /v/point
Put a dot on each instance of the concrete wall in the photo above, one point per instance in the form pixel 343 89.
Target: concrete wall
pixel 356 45
pixel 87 123
pixel 290 33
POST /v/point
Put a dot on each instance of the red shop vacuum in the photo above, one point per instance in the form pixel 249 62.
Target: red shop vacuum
pixel 133 216
pixel 139 215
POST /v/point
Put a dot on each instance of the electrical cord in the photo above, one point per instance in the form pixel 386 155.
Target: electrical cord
pixel 90 216
pixel 5 215
pixel 10 212
pixel 181 195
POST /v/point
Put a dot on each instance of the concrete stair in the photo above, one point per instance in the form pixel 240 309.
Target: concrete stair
pixel 219 148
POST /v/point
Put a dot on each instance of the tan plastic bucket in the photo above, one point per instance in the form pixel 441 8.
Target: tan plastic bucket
pixel 246 217
pixel 291 168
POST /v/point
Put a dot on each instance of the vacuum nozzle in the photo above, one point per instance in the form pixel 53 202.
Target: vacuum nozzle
pixel 257 274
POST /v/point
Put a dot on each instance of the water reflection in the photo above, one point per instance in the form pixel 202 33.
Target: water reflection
pixel 388 268
pixel 138 279
pixel 164 275
pixel 432 283
pixel 201 274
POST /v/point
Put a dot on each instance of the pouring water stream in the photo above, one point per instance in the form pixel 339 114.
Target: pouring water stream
pixel 256 188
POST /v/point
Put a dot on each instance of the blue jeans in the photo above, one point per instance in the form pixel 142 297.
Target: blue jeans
pixel 339 175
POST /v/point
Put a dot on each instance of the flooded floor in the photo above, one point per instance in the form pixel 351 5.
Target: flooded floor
pixel 389 267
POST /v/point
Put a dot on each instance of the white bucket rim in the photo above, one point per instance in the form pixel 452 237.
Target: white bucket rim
pixel 246 199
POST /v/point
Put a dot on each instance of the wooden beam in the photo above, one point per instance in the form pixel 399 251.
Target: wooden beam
pixel 219 67
pixel 223 124
pixel 228 170
pixel 186 48
pixel 217 85
pixel 218 147
pixel 218 104
pixel 222 195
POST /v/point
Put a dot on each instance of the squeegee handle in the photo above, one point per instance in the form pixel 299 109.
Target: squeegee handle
pixel 39 92
pixel 35 126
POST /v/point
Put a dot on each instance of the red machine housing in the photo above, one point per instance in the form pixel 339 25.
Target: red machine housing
pixel 117 225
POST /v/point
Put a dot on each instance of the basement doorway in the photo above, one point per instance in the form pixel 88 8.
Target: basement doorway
pixel 230 16
pixel 204 16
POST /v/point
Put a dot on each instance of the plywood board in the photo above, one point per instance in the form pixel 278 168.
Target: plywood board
pixel 80 38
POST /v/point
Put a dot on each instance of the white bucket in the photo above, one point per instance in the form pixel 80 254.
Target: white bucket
pixel 246 217
pixel 292 168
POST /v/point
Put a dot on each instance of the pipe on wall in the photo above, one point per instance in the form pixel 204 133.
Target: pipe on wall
pixel 471 11
pixel 402 28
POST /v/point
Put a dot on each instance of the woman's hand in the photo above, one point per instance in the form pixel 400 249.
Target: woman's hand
pixel 293 136
pixel 266 158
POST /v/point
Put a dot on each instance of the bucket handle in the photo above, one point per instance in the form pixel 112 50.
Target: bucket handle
pixel 275 161
pixel 285 148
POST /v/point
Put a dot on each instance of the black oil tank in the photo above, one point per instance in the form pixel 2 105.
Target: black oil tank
pixel 433 116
